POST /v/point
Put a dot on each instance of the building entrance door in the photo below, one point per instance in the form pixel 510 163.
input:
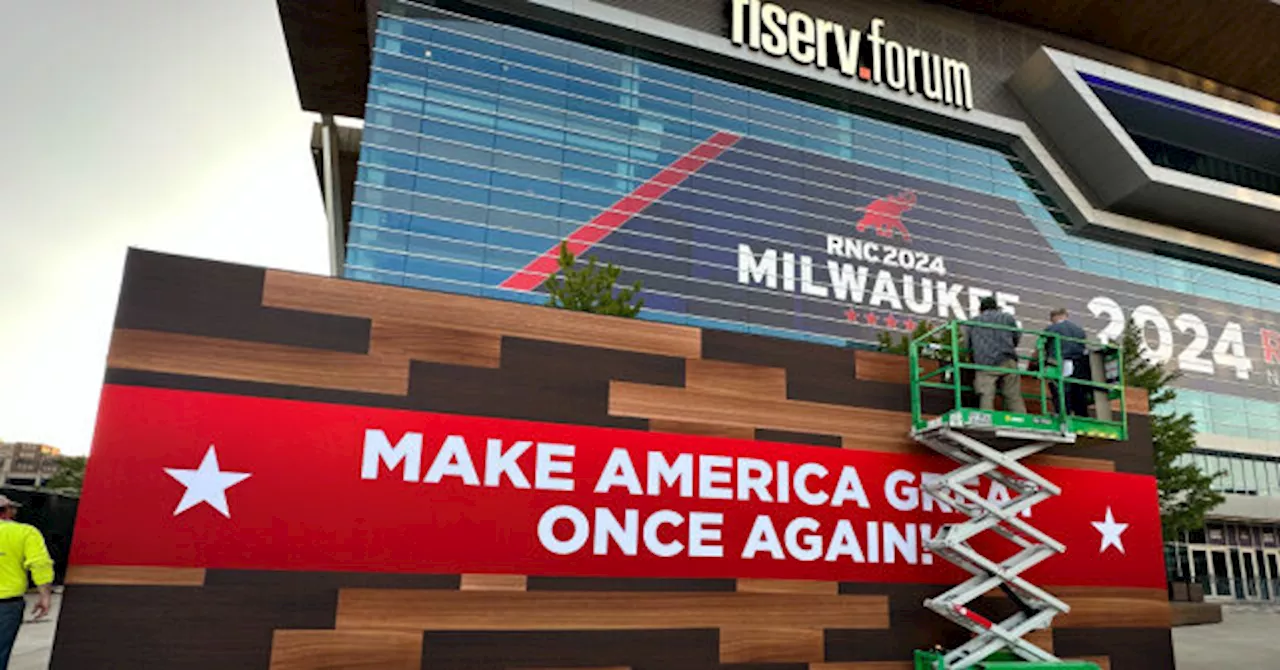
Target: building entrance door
pixel 1250 576
pixel 1221 571
pixel 1270 569
pixel 1237 581
pixel 1200 569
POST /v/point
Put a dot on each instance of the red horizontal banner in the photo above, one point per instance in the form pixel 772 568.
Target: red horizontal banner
pixel 181 478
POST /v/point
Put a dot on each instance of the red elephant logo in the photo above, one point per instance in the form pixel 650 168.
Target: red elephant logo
pixel 885 215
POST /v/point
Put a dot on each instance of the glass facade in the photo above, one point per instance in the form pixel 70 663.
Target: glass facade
pixel 1230 415
pixel 1241 474
pixel 1232 560
pixel 485 145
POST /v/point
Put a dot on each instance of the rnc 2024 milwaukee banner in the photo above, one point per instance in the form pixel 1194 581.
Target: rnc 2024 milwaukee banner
pixel 750 231
pixel 220 481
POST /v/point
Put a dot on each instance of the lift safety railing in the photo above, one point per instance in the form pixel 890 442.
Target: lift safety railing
pixel 939 359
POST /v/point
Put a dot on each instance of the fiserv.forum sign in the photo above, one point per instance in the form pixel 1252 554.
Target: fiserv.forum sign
pixel 863 54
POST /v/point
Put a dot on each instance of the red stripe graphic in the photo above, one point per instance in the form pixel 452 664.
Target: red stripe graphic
pixel 613 218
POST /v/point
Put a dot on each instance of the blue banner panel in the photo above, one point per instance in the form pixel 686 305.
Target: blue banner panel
pixel 781 237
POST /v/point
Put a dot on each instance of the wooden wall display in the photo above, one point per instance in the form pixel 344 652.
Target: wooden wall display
pixel 198 325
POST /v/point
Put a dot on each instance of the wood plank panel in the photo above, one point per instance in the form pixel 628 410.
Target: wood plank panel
pixel 704 429
pixel 887 440
pixel 348 298
pixel 1041 638
pixel 736 379
pixel 629 584
pixel 571 397
pixel 1074 462
pixel 815 372
pixel 1115 593
pixel 1126 647
pixel 406 339
pixel 660 649
pixel 477 582
pixel 677 404
pixel 345 649
pixel 1103 662
pixel 544 362
pixel 863 665
pixel 395 609
pixel 305 580
pixel 1115 613
pixel 253 361
pixel 134 575
pixel 793 437
pixel 770 645
pixel 176 294
pixel 877 366
pixel 1137 401
pixel 1112 592
pixel 210 628
pixel 787 586
pixel 877 430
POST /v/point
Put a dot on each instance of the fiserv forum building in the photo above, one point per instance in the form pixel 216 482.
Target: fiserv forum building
pixel 827 171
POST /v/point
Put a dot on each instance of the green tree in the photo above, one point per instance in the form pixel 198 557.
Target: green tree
pixel 939 351
pixel 592 288
pixel 70 474
pixel 1186 493
pixel 902 343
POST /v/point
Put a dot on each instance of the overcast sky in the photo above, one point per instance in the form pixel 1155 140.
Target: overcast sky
pixel 168 126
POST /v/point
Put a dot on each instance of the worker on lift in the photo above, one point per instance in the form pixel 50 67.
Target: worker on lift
pixel 996 347
pixel 1075 361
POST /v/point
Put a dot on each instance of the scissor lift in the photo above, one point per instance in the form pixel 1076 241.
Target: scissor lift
pixel 993 444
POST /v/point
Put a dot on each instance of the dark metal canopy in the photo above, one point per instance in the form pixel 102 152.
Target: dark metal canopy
pixel 1233 42
pixel 328 44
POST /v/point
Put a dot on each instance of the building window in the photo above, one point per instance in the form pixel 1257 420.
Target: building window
pixel 1241 474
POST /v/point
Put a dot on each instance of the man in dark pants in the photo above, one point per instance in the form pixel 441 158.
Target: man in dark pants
pixel 22 550
pixel 1075 361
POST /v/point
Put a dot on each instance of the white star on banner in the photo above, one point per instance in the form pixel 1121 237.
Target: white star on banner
pixel 206 484
pixel 1110 532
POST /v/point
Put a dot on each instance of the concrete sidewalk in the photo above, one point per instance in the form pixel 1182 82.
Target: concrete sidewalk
pixel 35 639
pixel 1248 637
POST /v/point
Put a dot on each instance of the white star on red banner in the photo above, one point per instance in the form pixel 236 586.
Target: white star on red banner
pixel 1110 531
pixel 206 484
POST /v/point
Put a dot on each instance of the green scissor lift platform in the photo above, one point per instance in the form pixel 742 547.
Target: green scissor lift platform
pixel 992 444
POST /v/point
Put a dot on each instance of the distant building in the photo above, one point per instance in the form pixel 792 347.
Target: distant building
pixel 27 463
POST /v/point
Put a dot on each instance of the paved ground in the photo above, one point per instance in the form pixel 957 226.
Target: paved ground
pixel 35 638
pixel 1246 639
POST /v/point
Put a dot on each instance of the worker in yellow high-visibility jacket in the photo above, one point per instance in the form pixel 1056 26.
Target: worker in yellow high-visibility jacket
pixel 22 550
